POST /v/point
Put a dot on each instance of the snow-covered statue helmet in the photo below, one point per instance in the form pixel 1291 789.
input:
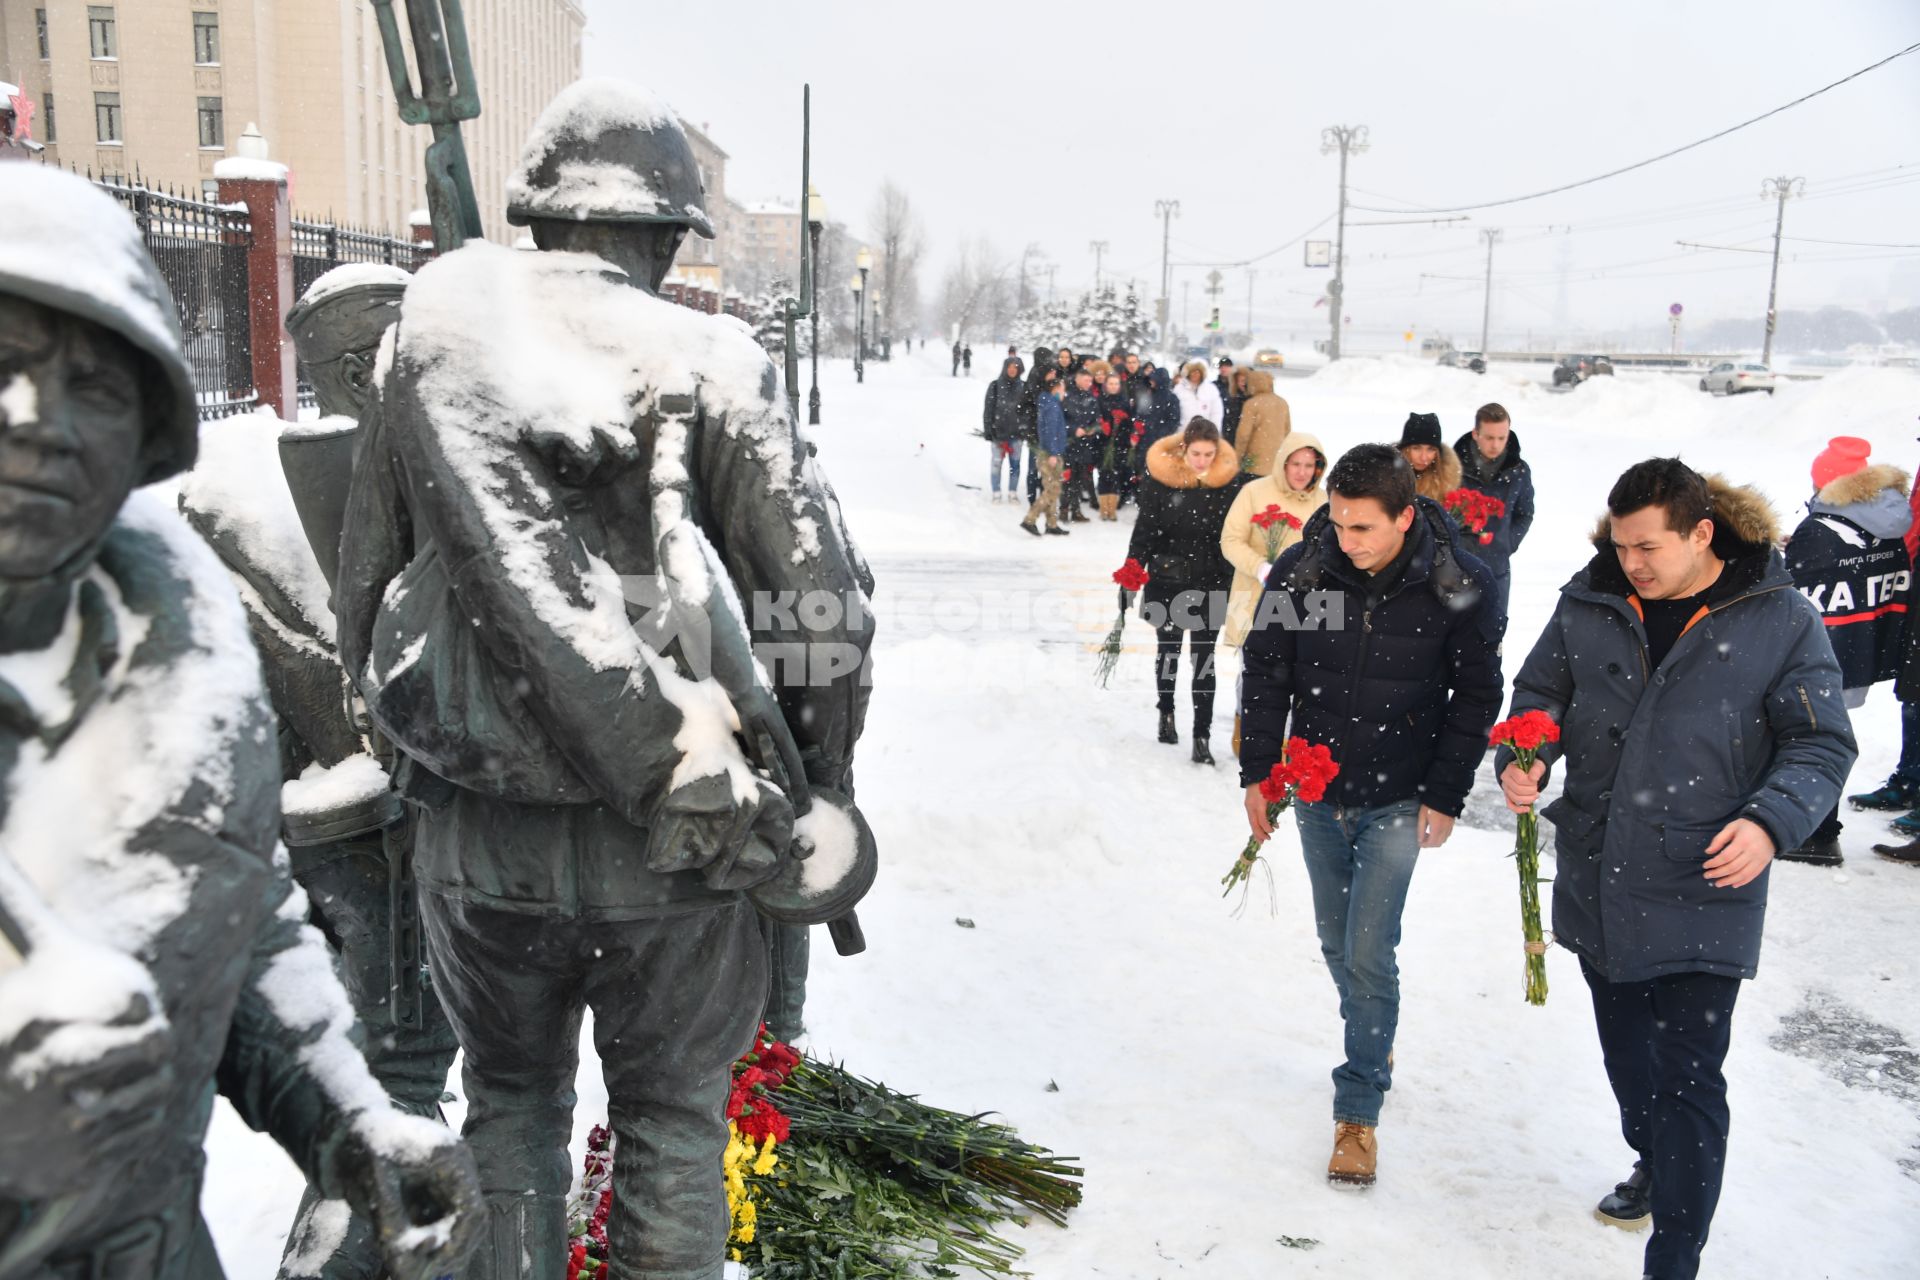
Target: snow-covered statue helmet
pixel 71 248
pixel 608 151
pixel 337 326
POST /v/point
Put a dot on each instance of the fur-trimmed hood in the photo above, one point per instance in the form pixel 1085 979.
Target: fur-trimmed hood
pixel 1167 464
pixel 1440 479
pixel 1874 498
pixel 1259 382
pixel 1295 442
pixel 1746 535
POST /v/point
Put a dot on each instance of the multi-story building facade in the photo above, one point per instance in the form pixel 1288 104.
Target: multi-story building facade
pixel 766 245
pixel 164 88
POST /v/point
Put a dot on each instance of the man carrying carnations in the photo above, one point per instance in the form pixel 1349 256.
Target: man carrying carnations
pixel 1702 730
pixel 1373 639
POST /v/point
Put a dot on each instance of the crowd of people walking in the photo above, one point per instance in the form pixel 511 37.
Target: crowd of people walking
pixel 1367 597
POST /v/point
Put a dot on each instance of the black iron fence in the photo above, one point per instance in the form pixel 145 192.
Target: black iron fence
pixel 318 247
pixel 201 248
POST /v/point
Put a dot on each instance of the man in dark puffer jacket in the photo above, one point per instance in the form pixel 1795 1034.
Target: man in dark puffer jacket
pixel 1375 638
pixel 1702 728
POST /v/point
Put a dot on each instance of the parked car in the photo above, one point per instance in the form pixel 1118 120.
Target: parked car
pixel 1473 360
pixel 1574 370
pixel 1268 358
pixel 1729 379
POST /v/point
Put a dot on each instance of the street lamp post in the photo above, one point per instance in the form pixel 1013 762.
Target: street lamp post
pixel 859 322
pixel 816 219
pixel 864 261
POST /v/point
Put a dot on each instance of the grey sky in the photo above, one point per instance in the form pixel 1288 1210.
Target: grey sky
pixel 1060 125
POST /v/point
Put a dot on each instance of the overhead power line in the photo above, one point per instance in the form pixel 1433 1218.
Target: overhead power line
pixel 1665 155
pixel 1262 257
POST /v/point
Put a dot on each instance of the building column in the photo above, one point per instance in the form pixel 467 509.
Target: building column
pixel 260 184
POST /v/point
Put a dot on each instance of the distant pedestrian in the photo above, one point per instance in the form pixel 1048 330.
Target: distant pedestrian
pixel 1119 433
pixel 1051 446
pixel 1236 400
pixel 1039 378
pixel 1002 426
pixel 1265 422
pixel 1849 558
pixel 1198 397
pixel 1161 416
pixel 1436 468
pixel 1223 379
pixel 966 360
pixel 1192 479
pixel 1490 463
pixel 956 361
pixel 1081 409
pixel 1701 730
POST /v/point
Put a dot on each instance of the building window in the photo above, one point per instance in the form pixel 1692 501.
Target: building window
pixel 106 117
pixel 213 130
pixel 209 188
pixel 46 118
pixel 100 31
pixel 206 39
pixel 40 30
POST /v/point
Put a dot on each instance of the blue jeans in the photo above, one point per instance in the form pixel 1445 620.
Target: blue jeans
pixel 1360 862
pixel 1011 454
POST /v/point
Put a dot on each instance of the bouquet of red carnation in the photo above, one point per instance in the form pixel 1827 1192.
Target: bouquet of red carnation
pixel 1473 509
pixel 1302 774
pixel 1275 522
pixel 1525 734
pixel 1132 577
pixel 590 1207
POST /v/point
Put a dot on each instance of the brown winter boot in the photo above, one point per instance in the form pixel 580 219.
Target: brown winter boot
pixel 1109 506
pixel 1355 1155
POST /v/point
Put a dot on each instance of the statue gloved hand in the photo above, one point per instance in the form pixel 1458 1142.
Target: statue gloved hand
pixel 79 1096
pixel 418 1186
pixel 735 841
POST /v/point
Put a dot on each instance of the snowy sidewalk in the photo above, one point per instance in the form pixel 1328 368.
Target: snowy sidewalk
pixel 1106 1001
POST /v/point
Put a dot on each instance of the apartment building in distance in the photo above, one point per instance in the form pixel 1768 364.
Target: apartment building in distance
pixel 164 88
pixel 766 245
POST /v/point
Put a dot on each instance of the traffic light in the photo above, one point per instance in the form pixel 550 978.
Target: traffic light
pixel 1213 319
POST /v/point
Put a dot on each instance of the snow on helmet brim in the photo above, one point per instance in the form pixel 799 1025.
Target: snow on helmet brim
pixel 608 151
pixel 71 247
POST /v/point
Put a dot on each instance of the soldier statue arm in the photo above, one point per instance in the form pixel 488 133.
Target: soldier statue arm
pixel 765 507
pixel 291 1068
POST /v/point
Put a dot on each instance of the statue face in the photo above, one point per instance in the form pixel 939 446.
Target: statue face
pixel 70 434
pixel 341 385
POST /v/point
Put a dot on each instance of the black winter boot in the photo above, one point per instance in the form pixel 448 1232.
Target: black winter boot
pixel 1630 1207
pixel 1167 732
pixel 1201 755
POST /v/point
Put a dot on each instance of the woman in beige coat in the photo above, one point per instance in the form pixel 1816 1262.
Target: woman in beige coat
pixel 1294 486
pixel 1265 421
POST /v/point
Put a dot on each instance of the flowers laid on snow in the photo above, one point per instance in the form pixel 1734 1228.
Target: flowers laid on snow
pixel 1304 772
pixel 1473 509
pixel 1132 577
pixel 1525 734
pixel 828 1174
pixel 1275 522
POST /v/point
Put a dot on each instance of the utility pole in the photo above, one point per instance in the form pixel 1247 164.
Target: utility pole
pixel 1099 248
pixel 1492 236
pixel 1166 211
pixel 1026 294
pixel 1251 273
pixel 1348 140
pixel 1186 297
pixel 1782 189
pixel 1051 268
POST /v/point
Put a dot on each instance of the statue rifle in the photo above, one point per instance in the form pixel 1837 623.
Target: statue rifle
pixel 447 95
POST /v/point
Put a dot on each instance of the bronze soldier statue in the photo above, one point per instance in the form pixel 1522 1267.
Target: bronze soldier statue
pixel 344 825
pixel 570 499
pixel 152 945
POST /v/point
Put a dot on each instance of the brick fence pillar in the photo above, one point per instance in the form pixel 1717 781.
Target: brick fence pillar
pixel 261 185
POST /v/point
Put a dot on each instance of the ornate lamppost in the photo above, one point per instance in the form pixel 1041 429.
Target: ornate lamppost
pixel 859 319
pixel 816 219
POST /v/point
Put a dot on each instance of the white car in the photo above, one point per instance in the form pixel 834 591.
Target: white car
pixel 1728 379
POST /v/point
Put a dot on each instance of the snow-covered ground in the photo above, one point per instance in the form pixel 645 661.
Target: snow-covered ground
pixel 1106 1000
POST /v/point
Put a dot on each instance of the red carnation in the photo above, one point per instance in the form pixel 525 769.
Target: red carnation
pixel 1269 517
pixel 763 1120
pixel 1131 576
pixel 576 1259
